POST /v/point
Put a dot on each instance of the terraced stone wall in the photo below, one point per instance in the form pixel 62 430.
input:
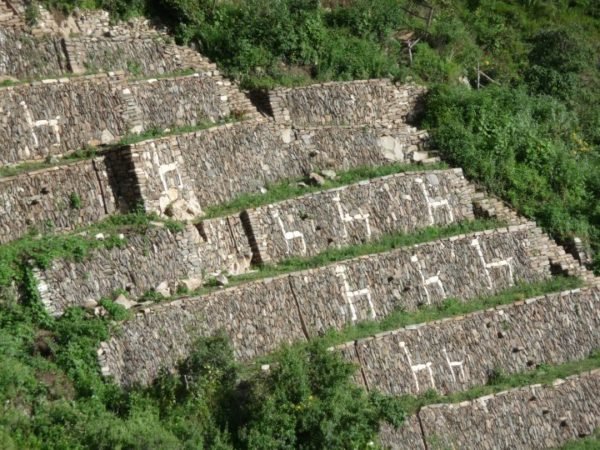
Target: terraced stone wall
pixel 54 117
pixel 347 147
pixel 180 101
pixel 24 56
pixel 459 353
pixel 462 267
pixel 140 56
pixel 58 198
pixel 257 317
pixel 226 161
pixel 532 417
pixel 314 301
pixel 145 262
pixel 353 214
pixel 349 103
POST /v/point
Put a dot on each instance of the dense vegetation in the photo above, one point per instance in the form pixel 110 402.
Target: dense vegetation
pixel 532 137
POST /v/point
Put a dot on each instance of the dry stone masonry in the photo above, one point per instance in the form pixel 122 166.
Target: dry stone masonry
pixel 394 203
pixel 521 419
pixel 55 116
pixel 347 147
pixel 333 296
pixel 458 353
pixel 338 126
pixel 350 103
pixel 58 198
pixel 270 154
pixel 80 45
pixel 354 214
pixel 144 262
pixel 258 317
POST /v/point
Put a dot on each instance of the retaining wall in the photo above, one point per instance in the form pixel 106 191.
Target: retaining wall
pixel 57 198
pixel 270 153
pixel 357 213
pixel 333 296
pixel 258 317
pixel 536 416
pixel 347 147
pixel 34 55
pixel 145 262
pixel 229 243
pixel 24 56
pixel 347 103
pixel 53 117
pixel 458 353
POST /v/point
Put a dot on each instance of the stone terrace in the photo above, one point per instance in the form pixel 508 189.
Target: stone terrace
pixel 458 353
pixel 349 291
pixel 271 153
pixel 228 244
pixel 532 417
pixel 337 126
pixel 50 50
pixel 56 116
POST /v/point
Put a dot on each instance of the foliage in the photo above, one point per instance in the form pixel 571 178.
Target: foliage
pixel 524 149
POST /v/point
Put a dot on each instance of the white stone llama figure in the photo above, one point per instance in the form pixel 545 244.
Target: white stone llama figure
pixel 288 235
pixel 350 295
pixel 429 281
pixel 416 368
pixel 347 218
pixel 507 262
pixel 434 203
pixel 33 124
pixel 452 365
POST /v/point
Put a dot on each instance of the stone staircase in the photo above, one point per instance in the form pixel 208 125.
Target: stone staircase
pixel 307 133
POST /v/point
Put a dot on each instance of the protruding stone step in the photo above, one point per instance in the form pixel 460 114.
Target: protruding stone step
pixel 536 416
pixel 349 103
pixel 330 297
pixel 459 353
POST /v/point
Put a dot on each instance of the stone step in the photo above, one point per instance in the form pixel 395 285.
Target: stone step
pixel 308 303
pixel 226 245
pixel 209 160
pixel 537 416
pixel 346 103
pixel 58 116
pixel 458 353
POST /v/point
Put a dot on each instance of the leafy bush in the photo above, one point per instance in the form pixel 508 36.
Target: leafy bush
pixel 522 148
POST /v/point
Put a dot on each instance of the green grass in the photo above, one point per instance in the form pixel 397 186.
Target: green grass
pixel 288 189
pixel 42 249
pixel 544 374
pixel 157 132
pixel 591 442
